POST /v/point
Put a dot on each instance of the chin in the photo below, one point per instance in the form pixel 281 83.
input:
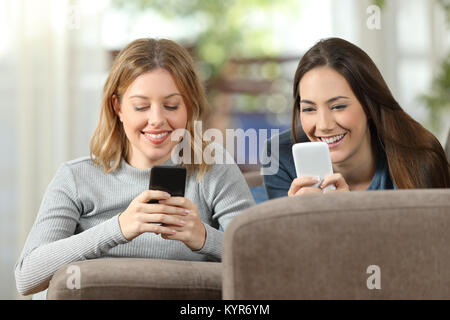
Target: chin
pixel 337 158
pixel 158 157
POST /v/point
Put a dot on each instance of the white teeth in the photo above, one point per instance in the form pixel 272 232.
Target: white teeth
pixel 157 136
pixel 332 139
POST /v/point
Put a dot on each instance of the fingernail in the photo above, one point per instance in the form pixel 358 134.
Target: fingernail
pixel 182 222
pixel 187 211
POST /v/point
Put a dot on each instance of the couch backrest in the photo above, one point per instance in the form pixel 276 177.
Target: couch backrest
pixel 351 245
pixel 253 178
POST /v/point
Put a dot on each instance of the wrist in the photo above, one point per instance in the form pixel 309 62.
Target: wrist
pixel 122 227
pixel 201 241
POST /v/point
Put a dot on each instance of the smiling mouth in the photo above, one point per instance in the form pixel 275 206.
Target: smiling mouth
pixel 333 139
pixel 156 138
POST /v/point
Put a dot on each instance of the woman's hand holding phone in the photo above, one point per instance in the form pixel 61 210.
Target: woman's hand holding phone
pixel 177 216
pixel 174 218
pixel 302 185
pixel 158 218
pixel 192 233
pixel 337 180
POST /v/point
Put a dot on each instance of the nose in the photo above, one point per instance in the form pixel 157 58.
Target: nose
pixel 156 117
pixel 325 121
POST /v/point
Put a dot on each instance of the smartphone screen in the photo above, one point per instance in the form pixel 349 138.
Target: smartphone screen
pixel 313 159
pixel 170 179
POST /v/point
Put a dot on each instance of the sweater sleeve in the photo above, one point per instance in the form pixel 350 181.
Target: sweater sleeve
pixel 227 194
pixel 52 242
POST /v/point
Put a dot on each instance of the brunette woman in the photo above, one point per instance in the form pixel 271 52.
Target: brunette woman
pixel 341 98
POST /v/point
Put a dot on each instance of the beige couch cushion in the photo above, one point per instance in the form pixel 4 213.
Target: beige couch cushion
pixel 127 278
pixel 322 247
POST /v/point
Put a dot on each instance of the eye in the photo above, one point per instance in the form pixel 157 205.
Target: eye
pixel 141 108
pixel 171 108
pixel 339 107
pixel 307 109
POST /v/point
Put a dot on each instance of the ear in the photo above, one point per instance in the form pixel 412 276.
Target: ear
pixel 116 106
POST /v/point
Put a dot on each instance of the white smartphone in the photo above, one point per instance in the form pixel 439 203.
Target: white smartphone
pixel 312 159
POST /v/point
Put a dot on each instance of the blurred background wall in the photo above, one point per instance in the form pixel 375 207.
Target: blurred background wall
pixel 55 56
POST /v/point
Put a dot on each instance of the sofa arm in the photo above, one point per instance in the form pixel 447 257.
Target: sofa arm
pixel 132 278
pixel 328 246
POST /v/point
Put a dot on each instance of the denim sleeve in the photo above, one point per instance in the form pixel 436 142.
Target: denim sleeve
pixel 277 182
pixel 277 185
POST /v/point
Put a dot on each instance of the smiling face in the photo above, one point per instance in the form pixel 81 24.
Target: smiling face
pixel 151 108
pixel 330 112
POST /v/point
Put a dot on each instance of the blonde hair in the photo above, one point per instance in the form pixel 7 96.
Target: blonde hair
pixel 109 144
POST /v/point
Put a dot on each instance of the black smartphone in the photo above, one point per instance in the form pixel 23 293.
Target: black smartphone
pixel 170 179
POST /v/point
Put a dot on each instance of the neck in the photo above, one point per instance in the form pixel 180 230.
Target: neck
pixel 139 161
pixel 358 177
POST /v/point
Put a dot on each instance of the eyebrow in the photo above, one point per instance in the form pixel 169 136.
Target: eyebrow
pixel 328 101
pixel 145 97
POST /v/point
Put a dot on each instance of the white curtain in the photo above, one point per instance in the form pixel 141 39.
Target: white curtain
pixel 52 68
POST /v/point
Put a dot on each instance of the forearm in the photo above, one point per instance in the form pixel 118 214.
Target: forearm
pixel 213 243
pixel 35 268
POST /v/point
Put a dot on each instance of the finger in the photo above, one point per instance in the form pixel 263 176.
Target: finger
pixel 167 220
pixel 179 202
pixel 148 195
pixel 335 179
pixel 332 178
pixel 308 190
pixel 157 229
pixel 306 181
pixel 163 208
pixel 301 182
pixel 175 236
pixel 178 235
pixel 292 189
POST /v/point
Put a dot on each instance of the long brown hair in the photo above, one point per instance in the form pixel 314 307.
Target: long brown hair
pixel 415 156
pixel 109 144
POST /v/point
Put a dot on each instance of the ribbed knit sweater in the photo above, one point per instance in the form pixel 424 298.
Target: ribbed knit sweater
pixel 78 218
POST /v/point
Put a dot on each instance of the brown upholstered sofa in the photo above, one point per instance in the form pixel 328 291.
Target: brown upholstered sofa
pixel 355 245
pixel 311 247
pixel 130 278
pixel 341 246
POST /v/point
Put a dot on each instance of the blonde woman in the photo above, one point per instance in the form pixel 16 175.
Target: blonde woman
pixel 98 206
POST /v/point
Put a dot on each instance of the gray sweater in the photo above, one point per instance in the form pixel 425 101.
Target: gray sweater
pixel 78 218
